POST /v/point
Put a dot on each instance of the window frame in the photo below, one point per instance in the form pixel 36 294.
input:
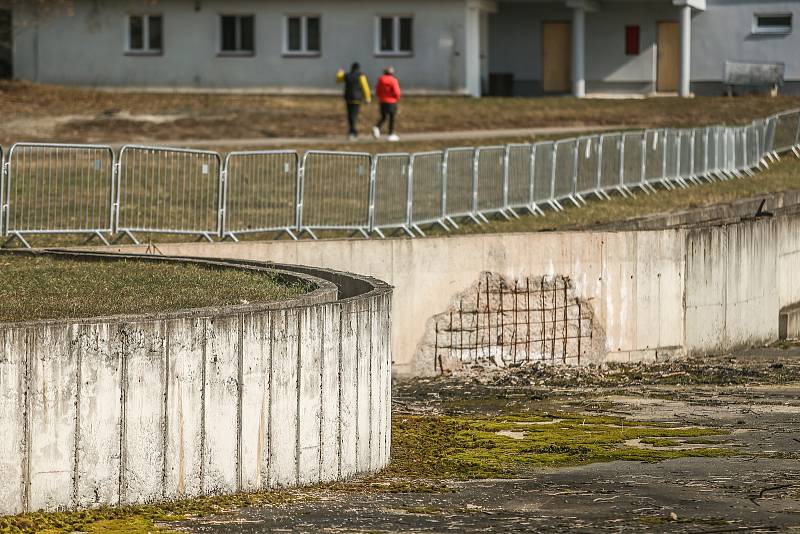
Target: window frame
pixel 395 51
pixel 145 50
pixel 239 52
pixel 304 51
pixel 766 30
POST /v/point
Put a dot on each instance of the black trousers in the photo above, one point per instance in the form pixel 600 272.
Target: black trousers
pixel 387 111
pixel 352 117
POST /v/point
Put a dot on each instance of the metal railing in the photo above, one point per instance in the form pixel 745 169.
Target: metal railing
pixel 91 190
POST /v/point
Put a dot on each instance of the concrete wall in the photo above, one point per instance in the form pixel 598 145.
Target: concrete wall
pixel 653 292
pixel 141 409
pixel 88 47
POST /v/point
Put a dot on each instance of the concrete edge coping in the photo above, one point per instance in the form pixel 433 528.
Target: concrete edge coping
pixel 324 291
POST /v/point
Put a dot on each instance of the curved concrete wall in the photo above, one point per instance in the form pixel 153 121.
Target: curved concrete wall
pixel 124 410
pixel 654 293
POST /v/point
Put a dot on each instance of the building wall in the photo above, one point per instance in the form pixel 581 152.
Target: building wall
pixel 87 47
pixel 724 32
pixel 721 32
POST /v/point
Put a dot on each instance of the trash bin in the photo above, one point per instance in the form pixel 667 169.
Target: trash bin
pixel 501 84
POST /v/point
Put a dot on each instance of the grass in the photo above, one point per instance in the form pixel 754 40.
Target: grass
pixel 424 449
pixel 44 287
pixel 31 110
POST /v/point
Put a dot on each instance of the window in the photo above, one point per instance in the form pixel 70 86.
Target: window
pixel 237 35
pixel 773 23
pixel 145 34
pixel 301 35
pixel 393 35
pixel 632 40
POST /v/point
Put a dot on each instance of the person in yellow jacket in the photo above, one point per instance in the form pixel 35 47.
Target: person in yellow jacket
pixel 356 91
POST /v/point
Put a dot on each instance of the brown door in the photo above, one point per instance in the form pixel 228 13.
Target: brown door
pixel 669 57
pixel 556 57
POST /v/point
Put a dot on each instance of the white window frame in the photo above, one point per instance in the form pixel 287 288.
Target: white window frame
pixel 395 51
pixel 145 50
pixel 238 29
pixel 304 51
pixel 764 30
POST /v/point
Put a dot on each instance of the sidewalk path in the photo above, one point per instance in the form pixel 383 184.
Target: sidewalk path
pixel 419 136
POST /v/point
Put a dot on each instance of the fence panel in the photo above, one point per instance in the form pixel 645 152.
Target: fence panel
pixel 58 189
pixel 588 165
pixel 564 168
pixel 632 158
pixel 673 154
pixel 2 192
pixel 543 171
pixel 168 190
pixel 610 164
pixel 519 176
pixel 391 191
pixel 699 159
pixel 685 166
pixel 786 128
pixel 459 169
pixel 712 149
pixel 769 134
pixel 335 191
pixel 260 192
pixel 753 143
pixel 427 180
pixel 654 145
pixel 491 178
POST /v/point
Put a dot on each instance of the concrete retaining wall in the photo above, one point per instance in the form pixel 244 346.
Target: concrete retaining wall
pixel 654 292
pixel 127 410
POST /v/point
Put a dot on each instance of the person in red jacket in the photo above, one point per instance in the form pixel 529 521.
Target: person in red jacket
pixel 388 93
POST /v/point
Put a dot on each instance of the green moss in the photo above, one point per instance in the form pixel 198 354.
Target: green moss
pixel 137 519
pixel 502 447
pixel 663 442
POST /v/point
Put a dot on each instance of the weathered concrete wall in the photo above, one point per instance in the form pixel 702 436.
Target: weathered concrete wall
pixel 653 292
pixel 140 409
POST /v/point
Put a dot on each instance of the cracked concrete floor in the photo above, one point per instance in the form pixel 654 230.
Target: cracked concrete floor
pixel 758 401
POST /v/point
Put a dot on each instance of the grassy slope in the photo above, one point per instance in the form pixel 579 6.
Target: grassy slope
pixel 102 115
pixel 50 288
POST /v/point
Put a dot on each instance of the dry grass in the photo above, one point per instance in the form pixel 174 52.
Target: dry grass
pixel 45 287
pixel 40 112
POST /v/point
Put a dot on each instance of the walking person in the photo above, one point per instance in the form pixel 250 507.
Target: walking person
pixel 388 92
pixel 356 91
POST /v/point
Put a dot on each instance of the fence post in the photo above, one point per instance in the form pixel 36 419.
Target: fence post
pixel 531 180
pixel 444 183
pixel 575 151
pixel 475 161
pixel 505 178
pixel 299 202
pixel 622 162
pixel 115 192
pixel 371 200
pixel 3 200
pixel 223 193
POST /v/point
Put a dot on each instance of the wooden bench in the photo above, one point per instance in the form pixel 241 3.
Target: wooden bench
pixel 741 74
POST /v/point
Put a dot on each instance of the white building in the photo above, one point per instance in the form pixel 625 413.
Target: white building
pixel 522 47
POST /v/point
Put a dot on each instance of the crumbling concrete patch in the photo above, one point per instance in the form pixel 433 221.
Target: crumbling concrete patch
pixel 502 322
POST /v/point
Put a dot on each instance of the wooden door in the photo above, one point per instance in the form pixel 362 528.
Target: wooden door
pixel 556 57
pixel 669 57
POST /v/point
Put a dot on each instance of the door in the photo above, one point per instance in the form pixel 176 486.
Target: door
pixel 669 57
pixel 556 57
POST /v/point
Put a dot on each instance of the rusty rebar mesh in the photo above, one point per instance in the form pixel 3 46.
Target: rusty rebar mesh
pixel 529 320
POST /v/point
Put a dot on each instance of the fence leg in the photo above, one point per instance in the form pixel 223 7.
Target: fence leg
pixel 123 234
pixel 17 236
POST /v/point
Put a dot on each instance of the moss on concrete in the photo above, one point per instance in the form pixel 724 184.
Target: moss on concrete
pixel 509 446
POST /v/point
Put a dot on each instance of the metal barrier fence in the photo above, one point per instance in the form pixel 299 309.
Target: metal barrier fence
pixel 58 189
pixel 88 189
pixel 168 190
pixel 260 191
pixel 335 192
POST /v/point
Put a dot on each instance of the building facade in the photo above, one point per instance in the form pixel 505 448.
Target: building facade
pixel 516 47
